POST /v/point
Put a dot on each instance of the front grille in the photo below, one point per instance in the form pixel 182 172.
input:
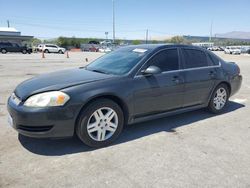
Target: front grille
pixel 34 129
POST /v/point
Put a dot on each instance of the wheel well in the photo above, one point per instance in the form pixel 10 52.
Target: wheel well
pixel 228 86
pixel 117 100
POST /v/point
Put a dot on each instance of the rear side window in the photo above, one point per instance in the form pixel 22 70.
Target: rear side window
pixel 166 60
pixel 215 60
pixel 194 58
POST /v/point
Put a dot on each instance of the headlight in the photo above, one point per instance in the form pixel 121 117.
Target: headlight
pixel 52 98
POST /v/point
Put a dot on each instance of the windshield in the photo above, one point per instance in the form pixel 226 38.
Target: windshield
pixel 118 62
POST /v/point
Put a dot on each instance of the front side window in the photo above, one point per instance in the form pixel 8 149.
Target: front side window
pixel 194 58
pixel 166 60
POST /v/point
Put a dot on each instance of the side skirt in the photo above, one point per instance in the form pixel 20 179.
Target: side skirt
pixel 166 114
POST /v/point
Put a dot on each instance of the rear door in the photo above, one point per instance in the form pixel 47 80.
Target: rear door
pixel 54 48
pixel 9 47
pixel 199 75
pixel 160 92
pixel 16 48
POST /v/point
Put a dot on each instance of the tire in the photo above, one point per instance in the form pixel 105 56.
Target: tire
pixel 24 51
pixel 60 52
pixel 219 101
pixel 46 51
pixel 95 132
pixel 4 51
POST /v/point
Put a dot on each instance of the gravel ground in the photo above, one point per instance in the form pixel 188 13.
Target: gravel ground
pixel 195 149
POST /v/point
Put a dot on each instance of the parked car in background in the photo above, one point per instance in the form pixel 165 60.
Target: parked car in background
pixel 94 42
pixel 214 48
pixel 130 85
pixel 245 49
pixel 39 48
pixel 105 49
pixel 222 48
pixel 106 43
pixel 14 47
pixel 90 47
pixel 52 48
pixel 232 50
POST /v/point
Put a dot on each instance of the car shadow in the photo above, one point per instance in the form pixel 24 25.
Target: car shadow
pixel 57 147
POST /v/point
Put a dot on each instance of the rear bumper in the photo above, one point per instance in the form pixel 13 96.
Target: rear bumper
pixel 236 84
pixel 53 122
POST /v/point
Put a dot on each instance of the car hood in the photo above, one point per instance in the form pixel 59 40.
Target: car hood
pixel 57 81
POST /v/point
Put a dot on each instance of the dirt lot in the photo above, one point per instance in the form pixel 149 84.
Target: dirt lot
pixel 195 149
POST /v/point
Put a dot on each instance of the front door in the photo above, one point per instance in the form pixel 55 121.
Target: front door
pixel 160 92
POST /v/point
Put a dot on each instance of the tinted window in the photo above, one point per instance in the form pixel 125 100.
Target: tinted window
pixel 166 60
pixel 5 44
pixel 214 60
pixel 194 58
pixel 51 46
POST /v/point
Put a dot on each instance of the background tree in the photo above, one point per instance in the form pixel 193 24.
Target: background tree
pixel 136 42
pixel 177 40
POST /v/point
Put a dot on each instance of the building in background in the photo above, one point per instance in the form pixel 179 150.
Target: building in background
pixel 10 34
pixel 203 44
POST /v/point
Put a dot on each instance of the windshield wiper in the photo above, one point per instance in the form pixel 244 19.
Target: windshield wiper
pixel 99 71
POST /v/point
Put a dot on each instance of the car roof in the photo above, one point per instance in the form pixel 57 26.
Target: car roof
pixel 160 46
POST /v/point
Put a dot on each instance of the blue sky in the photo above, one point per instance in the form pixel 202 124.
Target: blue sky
pixel 91 18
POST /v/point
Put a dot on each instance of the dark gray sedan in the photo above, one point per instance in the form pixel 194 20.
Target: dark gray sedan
pixel 129 85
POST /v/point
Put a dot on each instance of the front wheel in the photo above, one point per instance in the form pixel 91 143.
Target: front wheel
pixel 3 51
pixel 219 99
pixel 24 51
pixel 100 123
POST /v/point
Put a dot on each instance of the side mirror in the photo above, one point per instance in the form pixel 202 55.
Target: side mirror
pixel 151 70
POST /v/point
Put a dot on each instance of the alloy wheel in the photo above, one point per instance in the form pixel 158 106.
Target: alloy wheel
pixel 102 124
pixel 220 98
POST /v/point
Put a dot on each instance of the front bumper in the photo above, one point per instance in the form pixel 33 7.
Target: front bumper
pixel 53 122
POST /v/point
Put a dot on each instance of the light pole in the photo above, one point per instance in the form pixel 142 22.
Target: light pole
pixel 106 33
pixel 211 32
pixel 113 1
pixel 147 36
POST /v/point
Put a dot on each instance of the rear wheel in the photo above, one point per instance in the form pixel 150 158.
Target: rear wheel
pixel 100 123
pixel 46 51
pixel 24 51
pixel 4 51
pixel 219 99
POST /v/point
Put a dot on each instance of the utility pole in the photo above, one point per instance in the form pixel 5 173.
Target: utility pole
pixel 211 31
pixel 8 23
pixel 113 1
pixel 146 36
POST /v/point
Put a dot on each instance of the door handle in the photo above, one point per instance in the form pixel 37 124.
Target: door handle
pixel 212 73
pixel 176 79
